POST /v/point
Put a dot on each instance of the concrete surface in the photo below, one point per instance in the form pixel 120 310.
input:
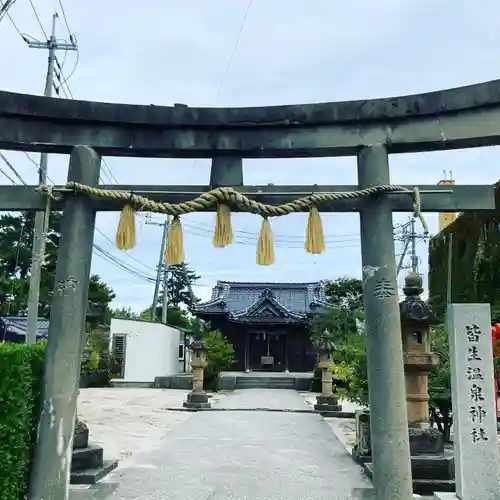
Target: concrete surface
pixel 242 455
pixel 129 421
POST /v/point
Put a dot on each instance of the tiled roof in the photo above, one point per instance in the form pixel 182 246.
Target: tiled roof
pixel 240 300
pixel 18 325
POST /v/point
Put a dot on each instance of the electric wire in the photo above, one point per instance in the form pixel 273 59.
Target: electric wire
pixel 14 170
pixel 38 19
pixel 63 12
pixel 233 52
pixel 7 13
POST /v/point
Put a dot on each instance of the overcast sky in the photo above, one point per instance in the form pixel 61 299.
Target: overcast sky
pixel 165 51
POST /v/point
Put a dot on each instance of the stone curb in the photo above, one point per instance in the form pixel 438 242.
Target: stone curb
pixel 273 410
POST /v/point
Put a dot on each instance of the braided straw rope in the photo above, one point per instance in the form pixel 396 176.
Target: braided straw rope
pixel 231 197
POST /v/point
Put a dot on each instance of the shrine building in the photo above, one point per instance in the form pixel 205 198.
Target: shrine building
pixel 267 323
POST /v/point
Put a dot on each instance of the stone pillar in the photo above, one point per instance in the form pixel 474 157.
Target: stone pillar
pixel 198 398
pixel 388 418
pixel 327 403
pixel 432 470
pixel 52 460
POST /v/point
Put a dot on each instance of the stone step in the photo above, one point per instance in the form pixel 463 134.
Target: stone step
pixel 264 385
pixel 92 476
pixel 90 457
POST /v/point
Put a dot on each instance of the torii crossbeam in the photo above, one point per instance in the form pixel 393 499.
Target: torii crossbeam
pixel 369 129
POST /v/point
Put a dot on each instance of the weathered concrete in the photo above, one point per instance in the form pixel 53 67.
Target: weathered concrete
pixel 464 198
pixel 243 455
pixel 226 172
pixel 384 350
pixel 444 119
pixel 52 461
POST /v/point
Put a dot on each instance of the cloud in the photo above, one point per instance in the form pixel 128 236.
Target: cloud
pixel 289 52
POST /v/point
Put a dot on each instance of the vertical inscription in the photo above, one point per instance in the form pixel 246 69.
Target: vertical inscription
pixel 474 418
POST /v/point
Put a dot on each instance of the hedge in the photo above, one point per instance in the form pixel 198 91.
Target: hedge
pixel 21 375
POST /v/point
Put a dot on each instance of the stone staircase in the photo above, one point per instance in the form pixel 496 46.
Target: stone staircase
pixel 87 462
pixel 262 382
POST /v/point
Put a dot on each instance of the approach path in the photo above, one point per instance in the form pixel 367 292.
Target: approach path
pixel 243 455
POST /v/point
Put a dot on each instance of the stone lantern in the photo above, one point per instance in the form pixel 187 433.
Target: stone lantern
pixel 198 398
pixel 429 463
pixel 327 402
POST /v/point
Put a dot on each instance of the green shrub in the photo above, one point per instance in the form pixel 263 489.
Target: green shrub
pixel 21 375
pixel 220 356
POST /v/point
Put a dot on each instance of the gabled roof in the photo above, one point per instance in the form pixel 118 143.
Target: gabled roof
pixel 18 325
pixel 263 302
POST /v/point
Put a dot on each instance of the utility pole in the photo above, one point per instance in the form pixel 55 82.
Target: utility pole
pixel 52 45
pixel 161 267
pixel 409 237
pixel 414 257
pixel 164 308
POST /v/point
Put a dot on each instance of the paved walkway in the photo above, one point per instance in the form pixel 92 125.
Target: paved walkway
pixel 243 455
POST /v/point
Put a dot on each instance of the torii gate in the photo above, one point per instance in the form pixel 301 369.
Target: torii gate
pixel 368 129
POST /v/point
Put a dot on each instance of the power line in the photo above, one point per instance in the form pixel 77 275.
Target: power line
pixel 7 13
pixel 233 52
pixel 231 57
pixel 63 12
pixel 4 7
pixel 114 260
pixel 3 172
pixel 38 19
pixel 9 164
pixel 127 254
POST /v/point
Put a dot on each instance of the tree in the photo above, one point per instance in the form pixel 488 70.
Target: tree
pixel 345 288
pixel 180 278
pixel 175 316
pixel 16 238
pixel 440 405
pixel 124 313
pixel 339 326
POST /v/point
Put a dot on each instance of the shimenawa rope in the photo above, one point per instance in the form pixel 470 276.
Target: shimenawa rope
pixel 224 198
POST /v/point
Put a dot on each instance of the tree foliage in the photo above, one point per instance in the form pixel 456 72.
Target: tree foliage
pixel 220 355
pixel 180 278
pixel 16 238
pixel 124 313
pixel 345 288
pixel 475 272
pixel 350 361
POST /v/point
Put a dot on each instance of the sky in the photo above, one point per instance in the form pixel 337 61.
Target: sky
pixel 266 52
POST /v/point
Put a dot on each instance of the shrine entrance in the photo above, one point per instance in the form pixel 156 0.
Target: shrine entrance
pixel 371 130
pixel 268 351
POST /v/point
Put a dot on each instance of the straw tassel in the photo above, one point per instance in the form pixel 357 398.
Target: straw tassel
pixel 315 238
pixel 125 233
pixel 223 234
pixel 265 245
pixel 174 253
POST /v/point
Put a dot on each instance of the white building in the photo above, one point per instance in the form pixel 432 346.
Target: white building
pixel 143 351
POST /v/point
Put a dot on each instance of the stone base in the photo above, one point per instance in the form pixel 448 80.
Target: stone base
pixel 420 486
pixel 328 406
pixel 444 496
pixel 426 441
pixel 197 400
pixel 87 463
pixel 92 476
